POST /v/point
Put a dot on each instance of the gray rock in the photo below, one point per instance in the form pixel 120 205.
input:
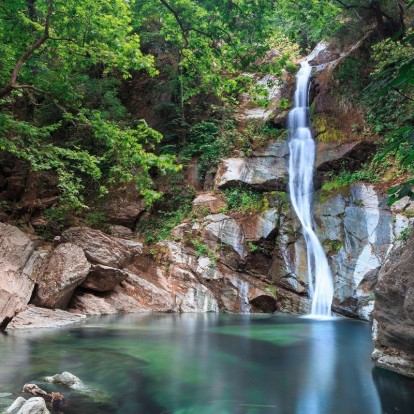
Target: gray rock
pixel 259 226
pixel 16 406
pixel 35 318
pixel 394 306
pixel 99 247
pixel 34 405
pixel 262 173
pixel 65 268
pixel 16 283
pixel 103 278
pixel 68 380
pixel 225 230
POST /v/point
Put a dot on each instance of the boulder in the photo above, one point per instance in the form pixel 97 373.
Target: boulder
pixel 224 229
pixel 16 406
pixel 103 278
pixel 35 405
pixel 260 226
pixel 265 171
pixel 99 247
pixel 125 208
pixel 65 268
pixel 68 380
pixel 208 203
pixel 394 313
pixel 35 318
pixel 16 281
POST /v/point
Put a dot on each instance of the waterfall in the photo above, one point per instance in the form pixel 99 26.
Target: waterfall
pixel 244 296
pixel 301 163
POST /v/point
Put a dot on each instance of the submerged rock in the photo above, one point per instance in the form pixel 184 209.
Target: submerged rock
pixel 65 268
pixel 68 380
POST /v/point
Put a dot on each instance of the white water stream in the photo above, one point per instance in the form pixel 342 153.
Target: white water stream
pixel 301 164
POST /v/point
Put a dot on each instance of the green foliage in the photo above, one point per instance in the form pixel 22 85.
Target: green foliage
pixel 70 119
pixel 209 141
pixel 201 249
pixel 168 212
pixel 346 178
pixel 291 67
pixel 96 219
pixel 245 200
pixel 405 234
pixel 284 104
pixel 332 246
pixel 392 105
pixel 58 218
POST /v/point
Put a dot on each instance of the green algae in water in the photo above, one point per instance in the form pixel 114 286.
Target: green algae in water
pixel 284 335
pixel 204 364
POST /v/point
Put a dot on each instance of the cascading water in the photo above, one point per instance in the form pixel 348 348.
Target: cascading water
pixel 301 163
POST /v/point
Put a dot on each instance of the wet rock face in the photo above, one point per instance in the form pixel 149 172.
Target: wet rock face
pixel 16 283
pixel 394 312
pixel 358 232
pixel 265 171
pixel 65 268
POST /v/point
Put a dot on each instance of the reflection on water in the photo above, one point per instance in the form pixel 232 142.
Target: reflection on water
pixel 210 364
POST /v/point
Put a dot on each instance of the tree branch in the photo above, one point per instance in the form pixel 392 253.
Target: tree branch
pixel 178 19
pixel 36 45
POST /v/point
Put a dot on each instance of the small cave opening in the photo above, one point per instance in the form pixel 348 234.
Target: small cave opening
pixel 263 304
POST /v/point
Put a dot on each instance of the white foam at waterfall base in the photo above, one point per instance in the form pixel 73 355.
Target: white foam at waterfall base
pixel 301 165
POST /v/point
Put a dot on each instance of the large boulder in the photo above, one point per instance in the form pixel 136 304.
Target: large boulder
pixel 125 206
pixel 15 407
pixel 103 278
pixel 35 405
pixel 16 283
pixel 34 318
pixel 394 313
pixel 65 268
pixel 99 247
pixel 265 171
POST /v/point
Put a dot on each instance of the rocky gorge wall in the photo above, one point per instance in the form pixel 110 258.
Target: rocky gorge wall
pixel 224 260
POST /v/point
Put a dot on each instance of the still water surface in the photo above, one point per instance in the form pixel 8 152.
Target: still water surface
pixel 209 364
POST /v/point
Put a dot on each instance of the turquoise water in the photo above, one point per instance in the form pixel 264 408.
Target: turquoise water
pixel 209 364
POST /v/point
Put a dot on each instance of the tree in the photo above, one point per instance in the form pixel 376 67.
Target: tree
pixel 58 53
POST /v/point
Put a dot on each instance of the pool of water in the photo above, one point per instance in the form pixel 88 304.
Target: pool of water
pixel 209 364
